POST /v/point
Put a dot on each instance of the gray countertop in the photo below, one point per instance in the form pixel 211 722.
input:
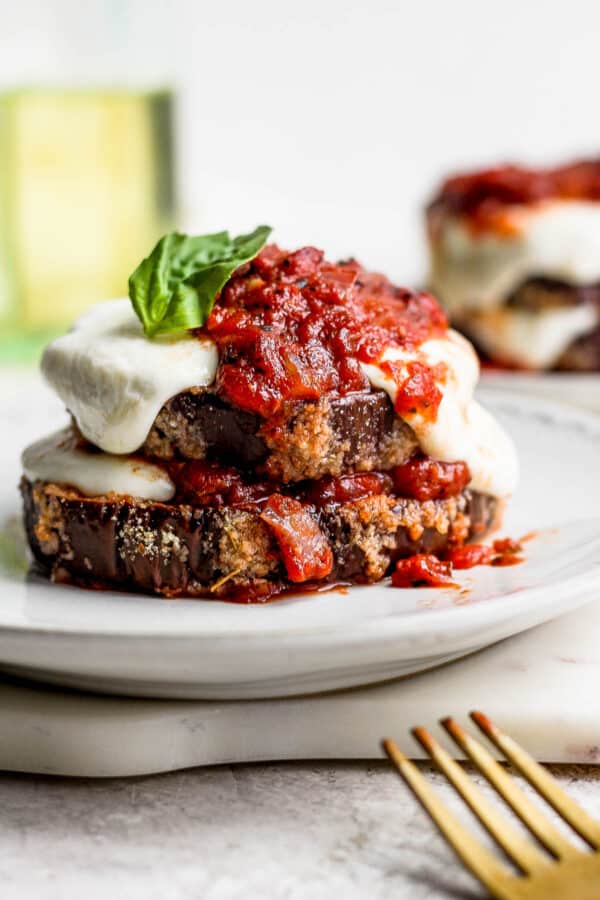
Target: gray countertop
pixel 292 832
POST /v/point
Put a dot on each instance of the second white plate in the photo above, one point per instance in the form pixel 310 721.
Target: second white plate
pixel 581 389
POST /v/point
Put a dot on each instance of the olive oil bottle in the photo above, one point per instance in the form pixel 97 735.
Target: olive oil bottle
pixel 86 187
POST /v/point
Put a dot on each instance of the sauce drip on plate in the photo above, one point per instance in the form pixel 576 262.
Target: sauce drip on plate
pixel 427 570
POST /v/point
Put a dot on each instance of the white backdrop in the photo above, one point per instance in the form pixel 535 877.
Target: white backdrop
pixel 332 120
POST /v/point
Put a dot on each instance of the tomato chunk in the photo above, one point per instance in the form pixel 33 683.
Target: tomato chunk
pixel 305 550
pixel 508 552
pixel 507 545
pixel 470 555
pixel 209 484
pixel 423 478
pixel 347 488
pixel 417 392
pixel 503 552
pixel 422 570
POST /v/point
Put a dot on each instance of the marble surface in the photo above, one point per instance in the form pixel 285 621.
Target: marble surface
pixel 254 832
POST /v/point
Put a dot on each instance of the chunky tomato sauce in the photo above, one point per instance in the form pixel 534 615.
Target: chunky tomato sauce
pixel 422 570
pixel 291 511
pixel 508 552
pixel 421 478
pixel 304 548
pixel 482 198
pixel 210 484
pixel 424 478
pixel 292 326
pixel 503 552
pixel 470 555
pixel 426 570
pixel 347 488
pixel 419 392
pixel 291 514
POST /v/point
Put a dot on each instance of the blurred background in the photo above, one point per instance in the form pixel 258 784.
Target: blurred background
pixel 331 120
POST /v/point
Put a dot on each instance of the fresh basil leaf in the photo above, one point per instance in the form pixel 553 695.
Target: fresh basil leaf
pixel 174 288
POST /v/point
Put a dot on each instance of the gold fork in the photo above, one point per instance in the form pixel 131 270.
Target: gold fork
pixel 560 871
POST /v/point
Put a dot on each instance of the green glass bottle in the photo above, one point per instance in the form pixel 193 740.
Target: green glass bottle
pixel 86 187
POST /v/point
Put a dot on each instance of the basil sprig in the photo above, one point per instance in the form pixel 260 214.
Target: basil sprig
pixel 175 287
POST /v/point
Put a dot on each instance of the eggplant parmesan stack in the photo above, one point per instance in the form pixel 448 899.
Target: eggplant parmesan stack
pixel 314 425
pixel 515 258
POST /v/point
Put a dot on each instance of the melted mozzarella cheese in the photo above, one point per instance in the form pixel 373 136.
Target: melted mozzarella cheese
pixel 58 459
pixel 532 340
pixel 463 430
pixel 114 380
pixel 559 239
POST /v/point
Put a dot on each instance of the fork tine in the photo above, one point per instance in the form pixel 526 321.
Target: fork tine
pixel 483 864
pixel 570 811
pixel 519 848
pixel 533 818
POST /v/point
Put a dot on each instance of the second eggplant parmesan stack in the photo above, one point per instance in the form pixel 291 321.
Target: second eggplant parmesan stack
pixel 515 257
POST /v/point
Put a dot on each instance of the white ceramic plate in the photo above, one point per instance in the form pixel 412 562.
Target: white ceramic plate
pixel 148 646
